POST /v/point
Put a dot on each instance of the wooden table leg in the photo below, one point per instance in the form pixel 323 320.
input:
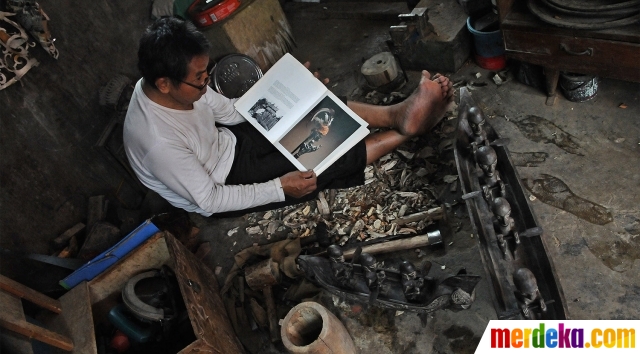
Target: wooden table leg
pixel 551 81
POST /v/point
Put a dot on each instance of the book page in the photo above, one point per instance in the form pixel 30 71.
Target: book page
pixel 324 134
pixel 280 98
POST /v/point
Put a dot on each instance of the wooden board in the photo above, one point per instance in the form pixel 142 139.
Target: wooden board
pixel 14 343
pixel 12 318
pixel 151 254
pixel 200 291
pixel 106 288
pixel 75 321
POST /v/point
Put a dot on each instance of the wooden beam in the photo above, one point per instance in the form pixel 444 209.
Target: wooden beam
pixel 62 240
pixel 21 291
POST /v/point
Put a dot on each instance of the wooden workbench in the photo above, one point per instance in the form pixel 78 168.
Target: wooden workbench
pixel 608 53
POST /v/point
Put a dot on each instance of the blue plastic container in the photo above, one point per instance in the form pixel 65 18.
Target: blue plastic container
pixel 487 44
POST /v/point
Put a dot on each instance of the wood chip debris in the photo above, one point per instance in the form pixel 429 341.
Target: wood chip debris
pixel 450 178
pixel 398 197
pixel 497 79
pixel 379 98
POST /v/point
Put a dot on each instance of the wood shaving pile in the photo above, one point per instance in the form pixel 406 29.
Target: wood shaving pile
pixel 398 196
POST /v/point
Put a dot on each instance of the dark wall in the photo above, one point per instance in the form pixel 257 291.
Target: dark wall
pixel 51 120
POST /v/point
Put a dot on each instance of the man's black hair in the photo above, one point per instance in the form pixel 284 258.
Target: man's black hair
pixel 167 47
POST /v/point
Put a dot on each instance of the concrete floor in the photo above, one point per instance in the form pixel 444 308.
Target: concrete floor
pixel 593 147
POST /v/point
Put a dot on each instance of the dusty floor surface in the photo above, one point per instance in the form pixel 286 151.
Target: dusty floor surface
pixel 579 161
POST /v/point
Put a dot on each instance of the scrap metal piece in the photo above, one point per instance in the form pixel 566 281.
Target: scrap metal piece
pixel 440 43
pixel 418 19
pixel 414 23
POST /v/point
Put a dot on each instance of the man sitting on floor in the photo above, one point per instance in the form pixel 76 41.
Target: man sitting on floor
pixel 188 143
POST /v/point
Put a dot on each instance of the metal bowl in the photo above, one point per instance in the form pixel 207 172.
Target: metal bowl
pixel 234 75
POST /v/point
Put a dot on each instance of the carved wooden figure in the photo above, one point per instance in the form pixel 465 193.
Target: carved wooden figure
pixel 476 120
pixel 528 292
pixel 487 161
pixel 505 225
pixel 412 284
pixel 342 271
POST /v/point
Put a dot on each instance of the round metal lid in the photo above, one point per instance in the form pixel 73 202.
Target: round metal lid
pixel 234 75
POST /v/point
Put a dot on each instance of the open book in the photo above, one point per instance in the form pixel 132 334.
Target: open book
pixel 300 116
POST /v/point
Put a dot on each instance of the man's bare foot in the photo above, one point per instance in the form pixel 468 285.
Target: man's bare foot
pixel 426 106
pixel 445 84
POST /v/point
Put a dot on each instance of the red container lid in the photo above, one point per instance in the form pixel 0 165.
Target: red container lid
pixel 206 13
pixel 492 63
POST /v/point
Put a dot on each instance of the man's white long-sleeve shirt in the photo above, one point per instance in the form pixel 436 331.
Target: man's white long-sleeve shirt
pixel 185 158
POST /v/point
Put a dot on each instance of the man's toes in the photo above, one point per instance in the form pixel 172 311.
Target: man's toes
pixel 448 90
pixel 444 81
pixel 444 86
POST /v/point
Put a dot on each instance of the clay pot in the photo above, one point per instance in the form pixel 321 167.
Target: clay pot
pixel 310 328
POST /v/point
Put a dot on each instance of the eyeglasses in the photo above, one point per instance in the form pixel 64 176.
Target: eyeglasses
pixel 199 87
